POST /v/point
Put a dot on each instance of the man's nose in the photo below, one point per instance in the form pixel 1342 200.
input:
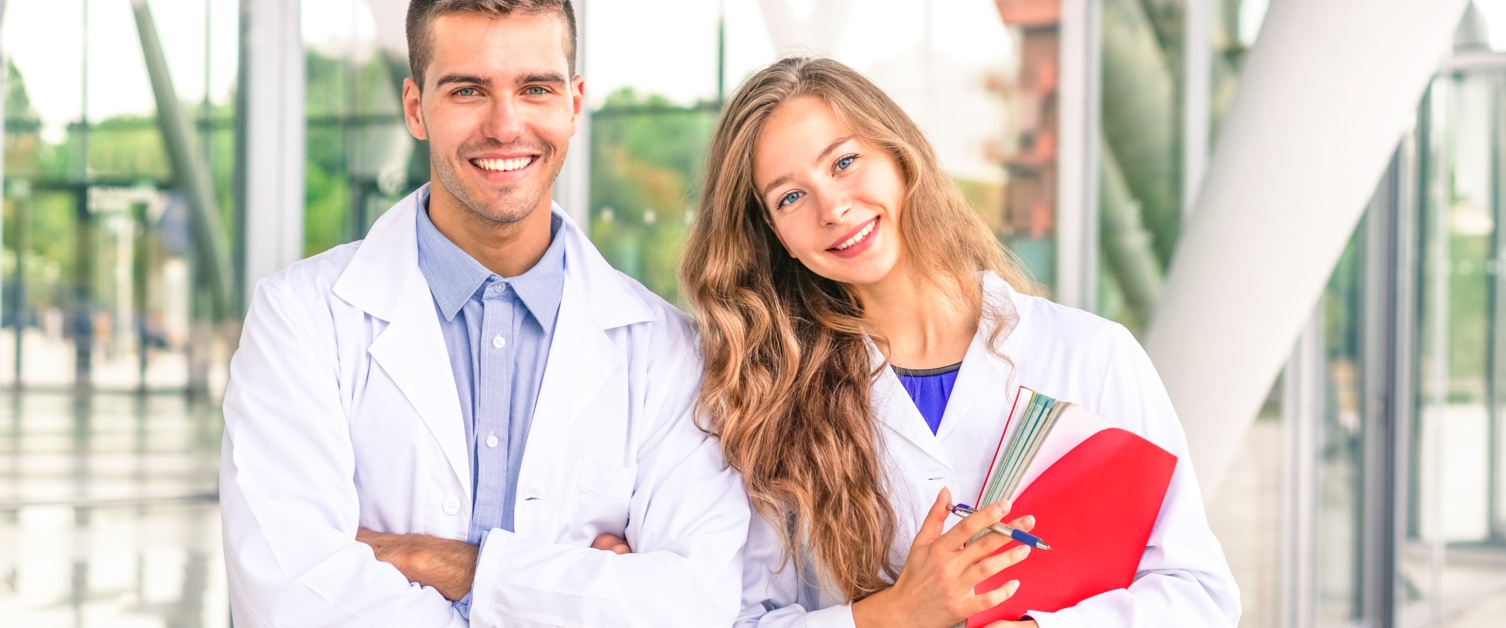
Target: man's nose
pixel 503 122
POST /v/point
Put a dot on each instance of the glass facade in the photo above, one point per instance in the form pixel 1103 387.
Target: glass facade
pixel 107 285
pixel 117 308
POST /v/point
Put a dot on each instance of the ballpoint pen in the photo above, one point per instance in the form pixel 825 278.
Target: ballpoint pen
pixel 963 510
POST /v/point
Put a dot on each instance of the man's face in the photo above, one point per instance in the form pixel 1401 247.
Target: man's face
pixel 498 108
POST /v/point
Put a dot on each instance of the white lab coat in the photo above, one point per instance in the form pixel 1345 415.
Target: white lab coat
pixel 1183 579
pixel 342 413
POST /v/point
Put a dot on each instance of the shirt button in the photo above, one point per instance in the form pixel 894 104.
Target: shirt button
pixel 499 341
pixel 491 441
pixel 451 506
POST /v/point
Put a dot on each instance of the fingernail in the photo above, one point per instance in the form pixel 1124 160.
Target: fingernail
pixel 1014 585
pixel 1029 521
pixel 1024 553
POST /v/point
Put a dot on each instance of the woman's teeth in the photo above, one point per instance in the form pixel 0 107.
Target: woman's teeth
pixel 859 237
pixel 502 165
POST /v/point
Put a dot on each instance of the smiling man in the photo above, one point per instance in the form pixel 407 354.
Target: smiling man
pixel 469 417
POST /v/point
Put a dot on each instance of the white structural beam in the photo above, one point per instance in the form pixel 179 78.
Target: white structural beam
pixel 1326 93
pixel 273 83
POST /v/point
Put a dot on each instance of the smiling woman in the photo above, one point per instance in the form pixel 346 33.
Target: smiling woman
pixel 828 247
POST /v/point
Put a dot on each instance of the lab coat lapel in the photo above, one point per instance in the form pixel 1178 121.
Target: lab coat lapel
pixel 581 359
pixel 384 281
pixel 985 374
pixel 897 413
pixel 982 374
pixel 582 356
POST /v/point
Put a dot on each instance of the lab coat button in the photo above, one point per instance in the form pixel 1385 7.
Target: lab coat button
pixel 491 441
pixel 451 506
pixel 499 341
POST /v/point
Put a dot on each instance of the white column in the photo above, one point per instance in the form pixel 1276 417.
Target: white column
pixel 572 190
pixel 274 85
pixel 1079 120
pixel 1325 95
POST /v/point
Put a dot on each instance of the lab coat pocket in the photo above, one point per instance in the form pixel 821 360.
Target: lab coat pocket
pixel 602 498
pixel 607 478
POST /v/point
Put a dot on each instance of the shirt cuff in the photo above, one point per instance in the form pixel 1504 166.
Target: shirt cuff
pixel 463 605
pixel 1065 618
pixel 831 617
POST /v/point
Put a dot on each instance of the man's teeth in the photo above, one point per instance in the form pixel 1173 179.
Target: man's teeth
pixel 859 237
pixel 502 165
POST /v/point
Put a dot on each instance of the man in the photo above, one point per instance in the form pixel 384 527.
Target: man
pixel 469 417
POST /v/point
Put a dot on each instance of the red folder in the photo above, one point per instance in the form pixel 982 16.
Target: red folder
pixel 1096 506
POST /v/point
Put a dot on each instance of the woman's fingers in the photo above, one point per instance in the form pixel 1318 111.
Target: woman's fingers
pixel 1025 523
pixel 972 524
pixel 990 565
pixel 990 599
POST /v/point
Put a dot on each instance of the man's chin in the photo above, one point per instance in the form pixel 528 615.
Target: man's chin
pixel 503 212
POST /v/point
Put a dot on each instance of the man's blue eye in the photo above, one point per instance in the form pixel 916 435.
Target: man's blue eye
pixel 844 162
pixel 789 198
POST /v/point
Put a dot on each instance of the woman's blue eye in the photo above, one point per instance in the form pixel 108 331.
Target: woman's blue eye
pixel 789 198
pixel 844 162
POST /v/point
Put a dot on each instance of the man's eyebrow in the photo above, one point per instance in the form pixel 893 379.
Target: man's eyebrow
pixel 463 78
pixel 547 78
pixel 785 178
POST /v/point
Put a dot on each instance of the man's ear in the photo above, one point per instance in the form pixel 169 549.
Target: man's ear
pixel 413 113
pixel 577 101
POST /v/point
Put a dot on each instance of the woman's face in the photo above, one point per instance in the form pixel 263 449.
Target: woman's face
pixel 834 200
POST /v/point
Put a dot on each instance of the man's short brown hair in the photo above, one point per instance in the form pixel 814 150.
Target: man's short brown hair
pixel 422 12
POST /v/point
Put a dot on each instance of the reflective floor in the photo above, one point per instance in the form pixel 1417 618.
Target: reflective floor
pixel 107 511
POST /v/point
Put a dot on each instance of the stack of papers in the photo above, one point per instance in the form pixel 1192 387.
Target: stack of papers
pixel 1038 414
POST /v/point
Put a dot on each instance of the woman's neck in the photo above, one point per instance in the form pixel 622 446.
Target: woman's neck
pixel 924 326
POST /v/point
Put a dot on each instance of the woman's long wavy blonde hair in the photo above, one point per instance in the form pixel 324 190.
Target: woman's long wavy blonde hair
pixel 787 370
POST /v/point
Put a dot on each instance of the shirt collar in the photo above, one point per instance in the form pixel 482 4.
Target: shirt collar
pixel 541 287
pixel 454 276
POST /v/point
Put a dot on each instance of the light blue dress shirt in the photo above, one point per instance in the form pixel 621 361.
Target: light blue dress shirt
pixel 497 331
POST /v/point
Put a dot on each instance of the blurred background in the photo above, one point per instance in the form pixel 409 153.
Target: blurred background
pixel 160 156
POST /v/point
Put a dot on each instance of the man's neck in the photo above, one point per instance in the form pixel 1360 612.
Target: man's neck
pixel 507 249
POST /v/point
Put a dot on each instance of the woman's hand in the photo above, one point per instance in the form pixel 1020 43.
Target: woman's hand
pixel 935 588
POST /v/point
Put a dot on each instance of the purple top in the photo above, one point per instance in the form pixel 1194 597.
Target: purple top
pixel 929 389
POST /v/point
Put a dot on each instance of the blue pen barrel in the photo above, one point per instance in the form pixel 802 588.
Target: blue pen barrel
pixel 1028 539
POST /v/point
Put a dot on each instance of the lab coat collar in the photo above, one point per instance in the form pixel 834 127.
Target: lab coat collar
pixel 378 277
pixel 983 373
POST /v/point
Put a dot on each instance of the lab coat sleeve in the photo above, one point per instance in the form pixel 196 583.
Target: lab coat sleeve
pixel 771 590
pixel 1183 579
pixel 688 518
pixel 287 490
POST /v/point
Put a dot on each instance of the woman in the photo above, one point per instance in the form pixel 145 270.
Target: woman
pixel 863 334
